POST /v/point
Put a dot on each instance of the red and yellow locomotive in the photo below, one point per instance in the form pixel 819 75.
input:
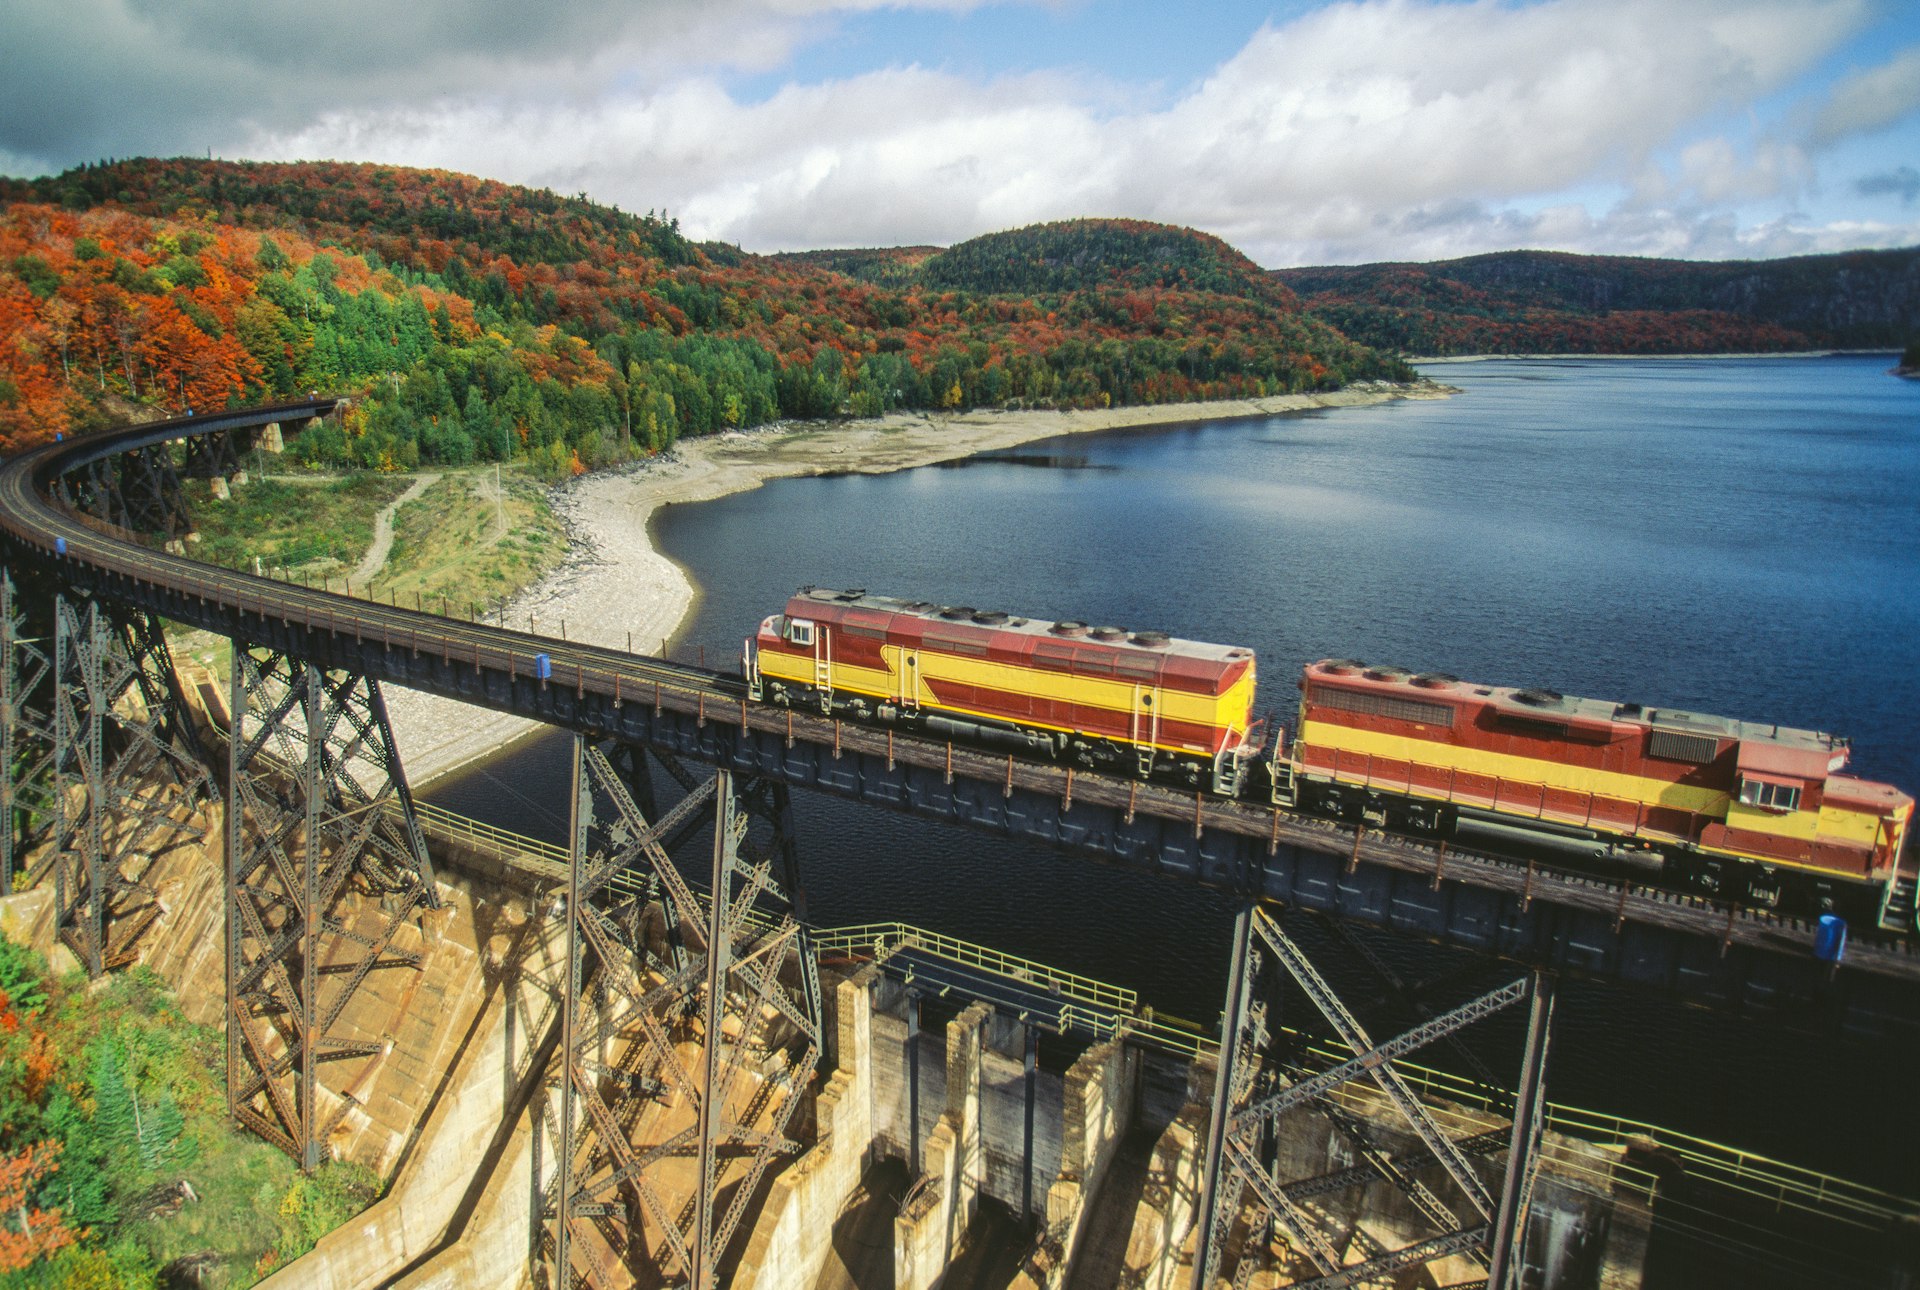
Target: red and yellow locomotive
pixel 1737 809
pixel 1141 701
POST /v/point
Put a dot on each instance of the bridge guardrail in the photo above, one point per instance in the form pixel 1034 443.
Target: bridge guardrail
pixel 885 939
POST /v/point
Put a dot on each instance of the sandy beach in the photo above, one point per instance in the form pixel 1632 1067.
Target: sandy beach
pixel 615 583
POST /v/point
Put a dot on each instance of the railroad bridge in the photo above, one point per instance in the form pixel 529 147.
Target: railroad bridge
pixel 317 805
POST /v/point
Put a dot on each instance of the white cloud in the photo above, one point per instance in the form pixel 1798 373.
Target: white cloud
pixel 1873 99
pixel 1366 129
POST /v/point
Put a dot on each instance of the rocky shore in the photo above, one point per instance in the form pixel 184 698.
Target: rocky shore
pixel 617 588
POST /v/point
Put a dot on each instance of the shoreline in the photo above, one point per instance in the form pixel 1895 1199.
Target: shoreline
pixel 617 586
pixel 1434 360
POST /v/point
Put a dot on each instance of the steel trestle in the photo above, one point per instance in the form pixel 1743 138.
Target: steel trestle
pixel 691 1023
pixel 321 875
pixel 1241 1184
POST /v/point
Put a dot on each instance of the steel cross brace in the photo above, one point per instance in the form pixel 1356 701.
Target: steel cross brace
pixel 29 807
pixel 645 981
pixel 1426 1251
pixel 138 490
pixel 221 453
pixel 1233 1164
pixel 121 747
pixel 1407 995
pixel 1456 1164
pixel 317 813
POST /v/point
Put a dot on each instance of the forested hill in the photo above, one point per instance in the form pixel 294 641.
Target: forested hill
pixel 1068 255
pixel 1541 302
pixel 485 320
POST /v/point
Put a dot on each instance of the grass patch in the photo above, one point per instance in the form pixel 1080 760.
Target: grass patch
pixel 459 545
pixel 463 544
pixel 311 527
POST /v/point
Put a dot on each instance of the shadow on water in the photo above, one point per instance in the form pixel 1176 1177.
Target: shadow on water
pixel 1044 460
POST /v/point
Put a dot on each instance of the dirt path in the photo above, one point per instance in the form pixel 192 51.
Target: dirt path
pixel 376 557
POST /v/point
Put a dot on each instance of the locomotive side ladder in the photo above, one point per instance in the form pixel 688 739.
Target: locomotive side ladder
pixel 823 666
pixel 1146 723
pixel 910 680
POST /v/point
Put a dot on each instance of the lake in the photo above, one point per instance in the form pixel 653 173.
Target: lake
pixel 1730 536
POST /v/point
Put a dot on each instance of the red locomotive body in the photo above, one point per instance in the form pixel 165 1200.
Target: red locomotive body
pixel 1098 695
pixel 1696 791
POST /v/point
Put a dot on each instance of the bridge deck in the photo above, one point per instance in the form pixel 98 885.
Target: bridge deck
pixel 1722 955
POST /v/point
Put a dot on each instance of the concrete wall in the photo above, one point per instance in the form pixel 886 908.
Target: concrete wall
pixel 1101 1097
pixel 1160 1247
pixel 794 1235
pixel 1003 1098
pixel 891 1067
pixel 928 1232
pixel 459 1211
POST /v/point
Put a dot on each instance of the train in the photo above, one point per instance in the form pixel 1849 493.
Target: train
pixel 1736 810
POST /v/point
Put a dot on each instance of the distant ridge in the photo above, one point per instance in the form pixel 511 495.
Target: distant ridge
pixel 1541 302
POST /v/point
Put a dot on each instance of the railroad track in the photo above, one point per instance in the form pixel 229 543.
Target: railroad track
pixel 78 549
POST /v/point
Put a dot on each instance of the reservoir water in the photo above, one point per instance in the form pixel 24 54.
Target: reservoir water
pixel 1731 536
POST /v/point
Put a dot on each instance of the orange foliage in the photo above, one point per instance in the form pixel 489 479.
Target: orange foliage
pixel 27 1233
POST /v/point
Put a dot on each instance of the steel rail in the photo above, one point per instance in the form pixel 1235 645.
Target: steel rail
pixel 212 597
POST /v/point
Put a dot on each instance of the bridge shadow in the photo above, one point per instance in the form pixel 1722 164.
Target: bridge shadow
pixel 862 1256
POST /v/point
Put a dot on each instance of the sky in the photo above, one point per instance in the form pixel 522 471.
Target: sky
pixel 1303 133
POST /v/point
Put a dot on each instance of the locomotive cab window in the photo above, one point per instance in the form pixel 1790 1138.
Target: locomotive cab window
pixel 1769 795
pixel 799 631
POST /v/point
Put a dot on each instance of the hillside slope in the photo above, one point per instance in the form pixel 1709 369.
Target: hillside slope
pixel 485 320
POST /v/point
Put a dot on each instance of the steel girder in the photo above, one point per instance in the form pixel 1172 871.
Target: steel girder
pixel 101 766
pixel 691 1026
pixel 1240 1171
pixel 318 814
pixel 1499 911
pixel 138 490
pixel 29 807
pixel 1508 1239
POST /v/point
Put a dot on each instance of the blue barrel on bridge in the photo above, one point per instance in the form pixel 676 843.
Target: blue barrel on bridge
pixel 542 667
pixel 1830 940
